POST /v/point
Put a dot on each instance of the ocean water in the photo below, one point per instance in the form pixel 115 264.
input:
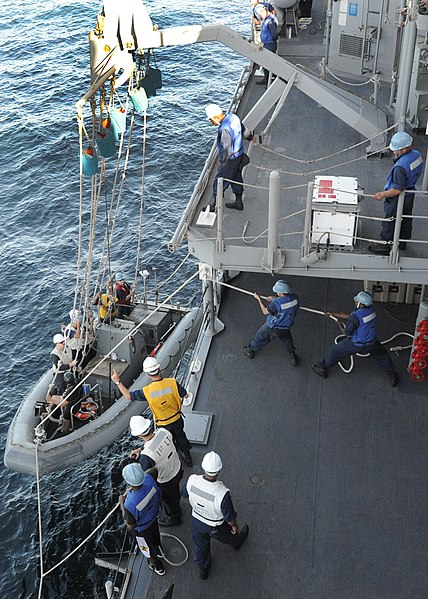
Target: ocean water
pixel 44 72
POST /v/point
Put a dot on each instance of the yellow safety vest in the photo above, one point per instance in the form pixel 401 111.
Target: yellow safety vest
pixel 104 304
pixel 164 401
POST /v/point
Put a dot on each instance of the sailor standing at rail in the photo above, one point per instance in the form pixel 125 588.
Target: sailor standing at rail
pixel 231 153
pixel 213 514
pixel 140 507
pixel 408 166
pixel 280 313
pixel 360 330
pixel 268 34
pixel 159 452
pixel 165 397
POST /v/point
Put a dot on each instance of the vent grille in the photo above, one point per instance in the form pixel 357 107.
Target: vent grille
pixel 352 45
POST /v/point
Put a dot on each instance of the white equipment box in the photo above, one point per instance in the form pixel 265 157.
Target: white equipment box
pixel 335 210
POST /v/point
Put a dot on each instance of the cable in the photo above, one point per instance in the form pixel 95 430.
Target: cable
pixel 186 551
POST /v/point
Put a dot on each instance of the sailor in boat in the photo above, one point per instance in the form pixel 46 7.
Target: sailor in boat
pixel 74 395
pixel 165 397
pixel 280 312
pixel 159 451
pixel 408 166
pixel 230 153
pixel 213 514
pixel 72 332
pixel 140 507
pixel 124 294
pixel 62 361
pixel 360 331
pixel 106 302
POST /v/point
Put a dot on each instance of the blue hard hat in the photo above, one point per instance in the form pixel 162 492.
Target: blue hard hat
pixel 119 277
pixel 281 287
pixel 363 298
pixel 400 141
pixel 268 6
pixel 133 475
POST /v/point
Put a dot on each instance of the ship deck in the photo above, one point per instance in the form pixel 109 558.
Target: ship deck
pixel 330 475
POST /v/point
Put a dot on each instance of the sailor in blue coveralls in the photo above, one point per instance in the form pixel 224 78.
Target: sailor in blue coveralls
pixel 213 514
pixel 268 34
pixel 231 153
pixel 360 330
pixel 140 508
pixel 280 313
pixel 408 166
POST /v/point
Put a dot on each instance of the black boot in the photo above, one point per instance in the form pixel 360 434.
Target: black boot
pixel 237 204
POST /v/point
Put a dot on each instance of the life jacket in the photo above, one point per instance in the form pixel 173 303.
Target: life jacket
pixel 106 306
pixel 412 164
pixel 69 334
pixel 64 355
pixel 205 497
pixel 164 400
pixel 143 503
pixel 269 31
pixel 286 309
pixel 125 287
pixel 366 332
pixel 161 450
pixel 233 125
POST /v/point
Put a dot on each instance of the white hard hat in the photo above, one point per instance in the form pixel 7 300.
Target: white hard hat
pixel 139 425
pixel 151 365
pixel 58 338
pixel 212 463
pixel 213 110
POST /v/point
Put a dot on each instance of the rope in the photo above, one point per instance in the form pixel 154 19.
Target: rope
pixel 186 551
pixel 175 271
pixel 140 223
pixel 371 80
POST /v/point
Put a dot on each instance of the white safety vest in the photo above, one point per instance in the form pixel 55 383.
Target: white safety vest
pixel 64 355
pixel 72 341
pixel 161 450
pixel 205 498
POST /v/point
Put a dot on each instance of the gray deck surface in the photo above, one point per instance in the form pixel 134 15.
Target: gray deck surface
pixel 341 511
pixel 330 475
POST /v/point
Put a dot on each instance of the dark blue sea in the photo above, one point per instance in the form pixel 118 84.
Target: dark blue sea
pixel 44 57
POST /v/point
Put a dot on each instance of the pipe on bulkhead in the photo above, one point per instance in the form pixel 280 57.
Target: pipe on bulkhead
pixel 404 73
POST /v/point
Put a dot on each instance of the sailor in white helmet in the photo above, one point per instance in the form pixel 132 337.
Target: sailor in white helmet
pixel 165 397
pixel 62 360
pixel 159 452
pixel 213 514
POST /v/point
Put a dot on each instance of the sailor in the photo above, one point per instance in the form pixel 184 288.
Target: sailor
pixel 140 507
pixel 73 394
pixel 281 312
pixel 165 397
pixel 360 331
pixel 231 153
pixel 213 514
pixel 123 293
pixel 408 166
pixel 268 34
pixel 62 360
pixel 72 332
pixel 159 452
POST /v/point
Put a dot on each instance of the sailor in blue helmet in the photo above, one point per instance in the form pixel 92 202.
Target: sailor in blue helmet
pixel 408 166
pixel 268 34
pixel 280 313
pixel 360 330
pixel 140 508
pixel 231 153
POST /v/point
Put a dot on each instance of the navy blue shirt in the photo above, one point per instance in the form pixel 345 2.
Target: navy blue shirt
pixel 351 325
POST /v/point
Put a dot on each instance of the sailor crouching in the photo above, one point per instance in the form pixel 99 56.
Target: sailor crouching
pixel 213 514
pixel 159 452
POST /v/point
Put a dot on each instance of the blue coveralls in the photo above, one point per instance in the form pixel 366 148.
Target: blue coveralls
pixel 403 175
pixel 361 331
pixel 282 311
pixel 269 36
pixel 145 518
pixel 230 152
pixel 203 533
